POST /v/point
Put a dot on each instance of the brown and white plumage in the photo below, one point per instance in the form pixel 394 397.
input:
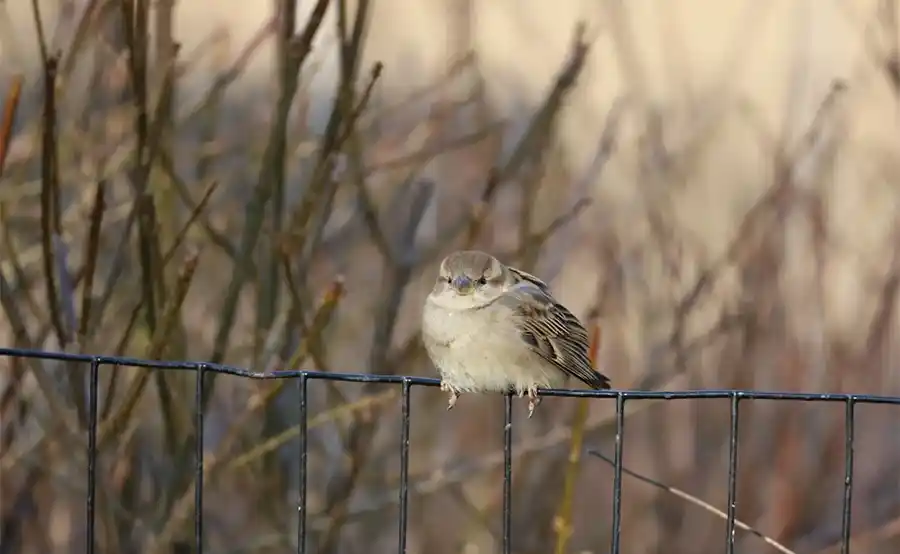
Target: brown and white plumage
pixel 488 327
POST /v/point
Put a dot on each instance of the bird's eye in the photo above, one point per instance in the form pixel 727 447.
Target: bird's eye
pixel 482 281
pixel 448 279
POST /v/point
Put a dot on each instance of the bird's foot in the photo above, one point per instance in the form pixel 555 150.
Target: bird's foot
pixel 533 400
pixel 451 400
pixel 454 393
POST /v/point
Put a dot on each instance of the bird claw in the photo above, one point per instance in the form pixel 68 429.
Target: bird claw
pixel 533 401
pixel 454 394
pixel 452 400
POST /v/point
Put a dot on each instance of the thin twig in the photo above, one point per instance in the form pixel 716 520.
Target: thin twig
pixel 113 426
pixel 255 211
pixel 562 523
pixel 697 502
pixel 218 462
pixel 50 197
pixel 10 107
pixel 93 248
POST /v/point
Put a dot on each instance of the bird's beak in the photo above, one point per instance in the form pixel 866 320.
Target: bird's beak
pixel 463 284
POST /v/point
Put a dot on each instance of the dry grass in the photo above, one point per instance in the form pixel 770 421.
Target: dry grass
pixel 152 204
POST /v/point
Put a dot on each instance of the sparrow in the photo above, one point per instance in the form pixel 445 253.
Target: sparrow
pixel 488 327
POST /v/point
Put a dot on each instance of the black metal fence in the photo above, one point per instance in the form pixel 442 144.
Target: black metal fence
pixel 406 384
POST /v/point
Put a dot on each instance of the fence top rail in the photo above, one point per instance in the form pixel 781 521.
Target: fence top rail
pixel 432 382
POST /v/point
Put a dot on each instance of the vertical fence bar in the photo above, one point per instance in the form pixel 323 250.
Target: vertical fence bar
pixel 617 475
pixel 848 473
pixel 301 485
pixel 198 460
pixel 404 467
pixel 507 475
pixel 732 473
pixel 90 506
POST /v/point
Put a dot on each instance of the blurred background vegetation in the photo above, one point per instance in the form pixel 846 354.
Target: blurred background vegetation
pixel 712 184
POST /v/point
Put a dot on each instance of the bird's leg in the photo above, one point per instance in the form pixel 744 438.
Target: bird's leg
pixel 452 400
pixel 533 400
pixel 454 394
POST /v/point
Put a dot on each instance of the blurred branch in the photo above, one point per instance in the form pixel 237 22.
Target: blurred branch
pixel 312 334
pixel 39 27
pixel 887 12
pixel 92 249
pixel 399 275
pixel 51 245
pixel 216 237
pixel 175 414
pixel 167 257
pixel 50 210
pixel 866 541
pixel 605 145
pixel 342 123
pixel 348 411
pixel 21 293
pixel 135 14
pixel 535 136
pixel 751 225
pixel 255 212
pixel 362 431
pixel 697 502
pixel 10 107
pixel 421 156
pixel 275 156
pixel 433 480
pixel 880 332
pixel 13 315
pixel 562 523
pixel 165 57
pixel 540 237
pixel 356 157
pixel 113 425
pixel 214 464
pixel 118 264
pixel 225 78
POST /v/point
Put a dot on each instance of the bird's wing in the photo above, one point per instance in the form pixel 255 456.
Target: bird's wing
pixel 522 276
pixel 552 331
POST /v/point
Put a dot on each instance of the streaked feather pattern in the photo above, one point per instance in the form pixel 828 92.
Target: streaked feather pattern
pixel 551 330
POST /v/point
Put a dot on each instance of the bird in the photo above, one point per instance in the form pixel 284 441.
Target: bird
pixel 488 327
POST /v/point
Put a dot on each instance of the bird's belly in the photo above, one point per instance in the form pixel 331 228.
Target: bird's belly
pixel 475 368
pixel 473 354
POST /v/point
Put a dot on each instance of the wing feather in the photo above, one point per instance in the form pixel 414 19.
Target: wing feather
pixel 551 330
pixel 522 276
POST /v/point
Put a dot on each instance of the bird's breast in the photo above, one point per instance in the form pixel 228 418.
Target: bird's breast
pixel 448 326
pixel 479 349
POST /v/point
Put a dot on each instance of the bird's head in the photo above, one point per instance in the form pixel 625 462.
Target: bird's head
pixel 472 277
